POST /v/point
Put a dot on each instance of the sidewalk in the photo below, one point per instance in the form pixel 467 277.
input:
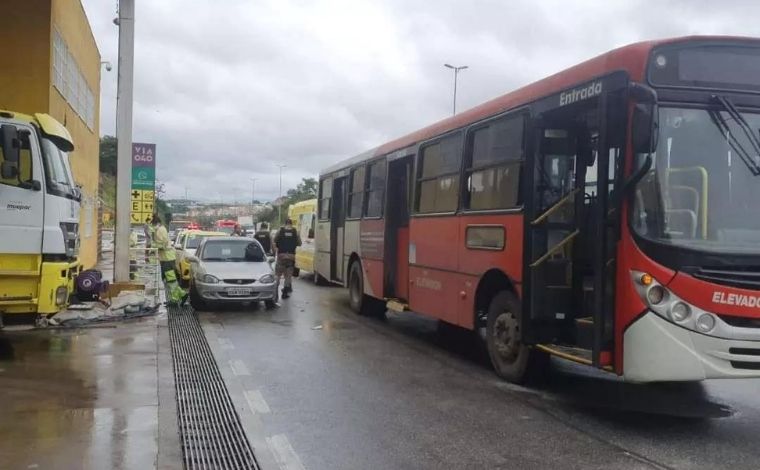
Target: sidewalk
pixel 89 398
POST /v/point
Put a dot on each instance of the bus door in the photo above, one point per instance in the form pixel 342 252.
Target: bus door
pixel 397 228
pixel 337 222
pixel 570 225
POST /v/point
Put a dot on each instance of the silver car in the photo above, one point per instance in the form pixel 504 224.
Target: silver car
pixel 231 270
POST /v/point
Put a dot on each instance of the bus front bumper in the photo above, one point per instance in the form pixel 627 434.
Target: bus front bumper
pixel 656 350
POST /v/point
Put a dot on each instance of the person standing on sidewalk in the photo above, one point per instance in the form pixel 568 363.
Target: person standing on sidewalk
pixel 285 243
pixel 237 231
pixel 167 257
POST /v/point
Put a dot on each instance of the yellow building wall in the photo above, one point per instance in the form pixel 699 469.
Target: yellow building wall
pixel 69 18
pixel 25 45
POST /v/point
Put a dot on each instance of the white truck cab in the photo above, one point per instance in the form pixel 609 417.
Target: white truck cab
pixel 39 215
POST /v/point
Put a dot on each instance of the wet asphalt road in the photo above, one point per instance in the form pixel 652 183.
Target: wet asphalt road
pixel 332 390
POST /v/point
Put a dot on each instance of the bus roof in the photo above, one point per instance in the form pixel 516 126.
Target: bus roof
pixel 631 58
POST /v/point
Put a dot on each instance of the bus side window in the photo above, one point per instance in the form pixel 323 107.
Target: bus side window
pixel 325 194
pixel 312 226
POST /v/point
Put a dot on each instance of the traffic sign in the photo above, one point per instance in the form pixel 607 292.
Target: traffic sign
pixel 143 183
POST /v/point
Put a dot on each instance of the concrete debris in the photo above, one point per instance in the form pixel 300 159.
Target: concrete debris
pixel 128 304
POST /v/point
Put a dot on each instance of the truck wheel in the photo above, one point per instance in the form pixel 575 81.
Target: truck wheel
pixel 360 302
pixel 511 359
pixel 196 301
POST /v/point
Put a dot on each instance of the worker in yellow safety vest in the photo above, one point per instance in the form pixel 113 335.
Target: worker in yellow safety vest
pixel 167 257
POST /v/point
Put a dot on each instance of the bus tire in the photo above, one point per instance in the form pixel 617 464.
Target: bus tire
pixel 195 299
pixel 360 302
pixel 511 360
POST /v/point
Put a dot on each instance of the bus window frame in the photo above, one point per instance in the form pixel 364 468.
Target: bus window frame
pixel 418 179
pixel 322 180
pixel 361 193
pixel 467 171
pixel 368 189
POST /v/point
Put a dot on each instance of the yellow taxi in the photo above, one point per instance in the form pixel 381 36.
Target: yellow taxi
pixel 186 244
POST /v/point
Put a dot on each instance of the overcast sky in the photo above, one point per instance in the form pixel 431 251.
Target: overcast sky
pixel 229 89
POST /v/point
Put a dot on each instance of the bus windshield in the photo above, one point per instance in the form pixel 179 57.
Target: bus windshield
pixel 703 188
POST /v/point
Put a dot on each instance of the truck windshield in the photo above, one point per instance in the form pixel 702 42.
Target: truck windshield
pixel 703 188
pixel 56 167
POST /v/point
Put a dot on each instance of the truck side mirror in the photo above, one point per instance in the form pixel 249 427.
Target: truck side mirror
pixel 8 170
pixel 10 143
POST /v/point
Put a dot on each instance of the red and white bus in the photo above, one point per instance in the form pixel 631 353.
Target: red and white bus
pixel 494 219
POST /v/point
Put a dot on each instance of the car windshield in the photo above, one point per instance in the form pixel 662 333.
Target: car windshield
pixel 703 188
pixel 194 241
pixel 233 250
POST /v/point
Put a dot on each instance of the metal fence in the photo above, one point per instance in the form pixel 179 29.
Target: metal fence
pixel 145 269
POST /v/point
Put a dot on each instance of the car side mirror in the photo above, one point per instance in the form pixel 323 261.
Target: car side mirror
pixel 270 259
pixel 192 259
pixel 178 246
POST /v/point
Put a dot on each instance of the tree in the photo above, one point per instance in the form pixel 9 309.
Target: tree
pixel 108 155
pixel 306 189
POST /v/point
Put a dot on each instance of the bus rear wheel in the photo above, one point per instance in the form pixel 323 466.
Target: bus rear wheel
pixel 511 359
pixel 360 302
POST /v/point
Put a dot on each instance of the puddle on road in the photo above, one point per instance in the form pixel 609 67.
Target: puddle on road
pixel 331 325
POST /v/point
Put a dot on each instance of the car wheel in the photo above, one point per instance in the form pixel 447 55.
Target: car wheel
pixel 196 301
pixel 511 359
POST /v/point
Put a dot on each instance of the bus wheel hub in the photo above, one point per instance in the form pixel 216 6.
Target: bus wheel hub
pixel 506 336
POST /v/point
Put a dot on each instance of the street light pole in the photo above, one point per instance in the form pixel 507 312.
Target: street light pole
pixel 253 191
pixel 124 135
pixel 456 74
pixel 279 205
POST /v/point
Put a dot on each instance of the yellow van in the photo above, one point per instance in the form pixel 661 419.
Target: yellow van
pixel 186 244
pixel 304 217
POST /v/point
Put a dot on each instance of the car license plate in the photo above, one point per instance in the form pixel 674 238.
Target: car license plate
pixel 238 291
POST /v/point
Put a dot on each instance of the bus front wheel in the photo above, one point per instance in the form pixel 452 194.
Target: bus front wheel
pixel 511 359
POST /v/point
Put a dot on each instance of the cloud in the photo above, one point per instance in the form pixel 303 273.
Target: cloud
pixel 229 89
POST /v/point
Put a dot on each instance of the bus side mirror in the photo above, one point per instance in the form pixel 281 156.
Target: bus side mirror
pixel 644 128
pixel 311 233
pixel 11 144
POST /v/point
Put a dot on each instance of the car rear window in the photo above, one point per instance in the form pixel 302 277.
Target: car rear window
pixel 233 250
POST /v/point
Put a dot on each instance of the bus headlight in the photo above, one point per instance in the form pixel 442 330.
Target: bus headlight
pixel 705 322
pixel 680 311
pixel 655 294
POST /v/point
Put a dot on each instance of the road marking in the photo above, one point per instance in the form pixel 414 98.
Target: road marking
pixel 256 402
pixel 283 452
pixel 238 367
pixel 225 343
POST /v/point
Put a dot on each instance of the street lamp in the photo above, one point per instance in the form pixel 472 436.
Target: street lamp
pixel 279 205
pixel 253 191
pixel 456 74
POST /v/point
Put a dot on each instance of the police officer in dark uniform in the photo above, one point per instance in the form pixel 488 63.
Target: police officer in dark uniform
pixel 285 244
pixel 264 237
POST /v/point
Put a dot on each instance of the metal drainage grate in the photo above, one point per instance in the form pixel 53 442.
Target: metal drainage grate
pixel 211 433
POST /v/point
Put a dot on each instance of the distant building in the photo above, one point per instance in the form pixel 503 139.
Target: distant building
pixel 51 64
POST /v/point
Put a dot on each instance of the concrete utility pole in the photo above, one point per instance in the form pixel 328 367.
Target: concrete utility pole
pixel 126 23
pixel 253 192
pixel 456 74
